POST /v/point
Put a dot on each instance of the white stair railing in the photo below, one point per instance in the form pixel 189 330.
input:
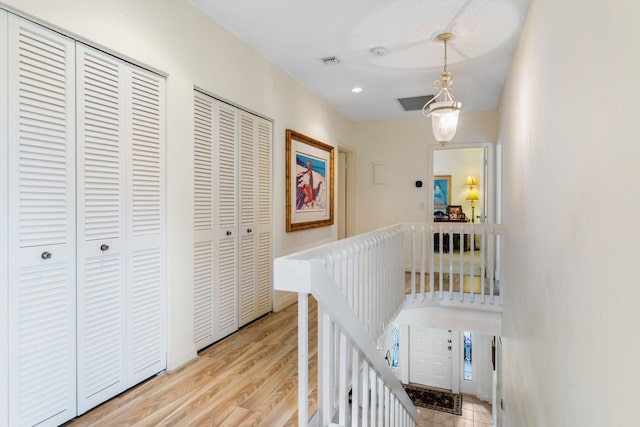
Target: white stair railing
pixel 459 261
pixel 359 285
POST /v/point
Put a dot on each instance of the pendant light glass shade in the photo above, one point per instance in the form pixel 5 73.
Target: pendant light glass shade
pixel 444 120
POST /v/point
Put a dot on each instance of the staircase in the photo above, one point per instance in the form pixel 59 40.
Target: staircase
pixel 360 286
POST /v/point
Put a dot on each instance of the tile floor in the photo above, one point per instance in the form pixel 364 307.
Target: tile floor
pixel 475 413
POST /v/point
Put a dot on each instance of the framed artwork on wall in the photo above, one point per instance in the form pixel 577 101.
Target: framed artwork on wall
pixel 309 182
pixel 441 191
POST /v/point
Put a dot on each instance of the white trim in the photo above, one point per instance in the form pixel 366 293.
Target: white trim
pixel 491 195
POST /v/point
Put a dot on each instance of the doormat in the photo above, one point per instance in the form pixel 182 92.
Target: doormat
pixel 443 401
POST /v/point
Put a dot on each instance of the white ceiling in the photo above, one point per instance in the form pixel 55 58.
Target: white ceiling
pixel 296 34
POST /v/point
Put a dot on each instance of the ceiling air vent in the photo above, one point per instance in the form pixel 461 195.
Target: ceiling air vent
pixel 330 60
pixel 414 103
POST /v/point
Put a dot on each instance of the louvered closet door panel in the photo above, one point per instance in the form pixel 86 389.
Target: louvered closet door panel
pixel 226 248
pixel 101 282
pixel 264 299
pixel 145 222
pixel 4 308
pixel 41 199
pixel 247 285
pixel 203 221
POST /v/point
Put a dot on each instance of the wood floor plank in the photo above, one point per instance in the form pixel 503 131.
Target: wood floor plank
pixel 246 379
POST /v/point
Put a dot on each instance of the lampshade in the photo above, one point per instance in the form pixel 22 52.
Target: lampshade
pixel 472 195
pixel 471 181
pixel 444 120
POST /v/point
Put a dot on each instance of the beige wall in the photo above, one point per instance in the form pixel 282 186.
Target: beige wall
pixel 402 145
pixel 174 38
pixel 569 134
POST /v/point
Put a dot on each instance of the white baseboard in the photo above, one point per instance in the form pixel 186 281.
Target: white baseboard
pixel 284 300
pixel 176 362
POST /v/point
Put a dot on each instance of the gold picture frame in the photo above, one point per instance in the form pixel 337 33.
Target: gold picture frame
pixel 309 182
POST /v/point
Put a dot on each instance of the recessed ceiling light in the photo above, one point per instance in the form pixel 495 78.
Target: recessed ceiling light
pixel 357 90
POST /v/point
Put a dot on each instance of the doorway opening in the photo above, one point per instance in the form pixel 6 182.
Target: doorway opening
pixel 462 182
pixel 345 181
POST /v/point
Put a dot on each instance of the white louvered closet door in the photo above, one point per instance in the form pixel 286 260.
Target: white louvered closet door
pixel 203 292
pixel 146 257
pixel 4 301
pixel 247 187
pixel 264 254
pixel 42 299
pixel 255 260
pixel 232 218
pixel 101 227
pixel 225 255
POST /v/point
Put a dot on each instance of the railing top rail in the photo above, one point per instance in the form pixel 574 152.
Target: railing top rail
pixel 350 242
pixel 497 228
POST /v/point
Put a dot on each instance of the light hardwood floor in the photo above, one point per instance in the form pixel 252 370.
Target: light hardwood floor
pixel 247 379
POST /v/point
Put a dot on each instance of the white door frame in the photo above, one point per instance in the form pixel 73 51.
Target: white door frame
pixel 490 202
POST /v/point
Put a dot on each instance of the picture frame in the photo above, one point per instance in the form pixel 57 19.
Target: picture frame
pixel 441 191
pixel 455 212
pixel 309 182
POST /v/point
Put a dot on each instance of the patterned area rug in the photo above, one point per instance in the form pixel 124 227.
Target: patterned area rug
pixel 443 401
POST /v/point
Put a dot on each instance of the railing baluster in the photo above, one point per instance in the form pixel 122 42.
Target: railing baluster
pixel 366 270
pixel 431 267
pixel 451 252
pixel 461 267
pixel 440 275
pixel 343 396
pixel 492 266
pixel 303 358
pixel 472 246
pixel 423 239
pixel 387 407
pixel 355 389
pixel 356 282
pixel 325 374
pixel 414 255
pixel 381 388
pixel 365 394
pixel 374 398
pixel 482 262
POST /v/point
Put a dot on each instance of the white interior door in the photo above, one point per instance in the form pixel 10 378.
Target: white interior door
pixel 4 307
pixel 247 291
pixel 264 303
pixel 101 260
pixel 430 357
pixel 146 259
pixel 225 256
pixel 42 240
pixel 203 291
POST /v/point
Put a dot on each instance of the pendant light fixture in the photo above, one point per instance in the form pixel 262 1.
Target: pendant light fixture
pixel 444 113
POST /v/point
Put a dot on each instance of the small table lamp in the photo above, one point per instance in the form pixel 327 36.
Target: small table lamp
pixel 472 196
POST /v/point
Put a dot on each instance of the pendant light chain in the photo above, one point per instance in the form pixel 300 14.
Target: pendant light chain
pixel 445 55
